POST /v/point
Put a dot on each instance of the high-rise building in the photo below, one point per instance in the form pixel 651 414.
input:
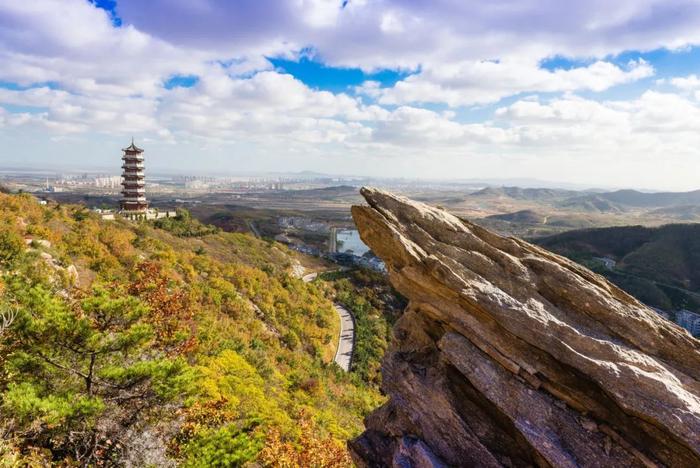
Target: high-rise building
pixel 134 183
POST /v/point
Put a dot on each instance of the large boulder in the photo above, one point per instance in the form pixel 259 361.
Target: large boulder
pixel 509 355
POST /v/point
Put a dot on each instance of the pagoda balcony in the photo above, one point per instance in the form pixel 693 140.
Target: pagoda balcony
pixel 134 166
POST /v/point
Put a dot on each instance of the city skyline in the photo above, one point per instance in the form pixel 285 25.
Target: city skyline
pixel 590 94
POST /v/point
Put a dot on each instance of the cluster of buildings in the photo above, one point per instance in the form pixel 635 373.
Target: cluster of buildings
pixel 344 246
pixel 349 259
pixel 85 180
pixel 685 318
pixel 229 183
pixel 306 224
pixel 689 320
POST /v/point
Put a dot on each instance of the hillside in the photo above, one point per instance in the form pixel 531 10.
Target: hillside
pixel 522 216
pixel 681 212
pixel 657 265
pixel 657 199
pixel 133 344
pixel 524 193
pixel 600 201
pixel 590 203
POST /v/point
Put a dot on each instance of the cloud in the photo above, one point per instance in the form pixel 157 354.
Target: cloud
pixel 643 127
pixel 391 33
pixel 468 83
pixel 67 69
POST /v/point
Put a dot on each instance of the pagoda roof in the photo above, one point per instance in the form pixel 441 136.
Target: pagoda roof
pixel 133 148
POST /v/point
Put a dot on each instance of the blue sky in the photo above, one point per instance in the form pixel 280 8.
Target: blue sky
pixel 317 75
pixel 588 92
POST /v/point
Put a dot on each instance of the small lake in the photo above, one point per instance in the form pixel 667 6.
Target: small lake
pixel 349 239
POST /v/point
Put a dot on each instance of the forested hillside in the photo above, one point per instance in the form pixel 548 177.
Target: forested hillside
pixel 657 265
pixel 177 344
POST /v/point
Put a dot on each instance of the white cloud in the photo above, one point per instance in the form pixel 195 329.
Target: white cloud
pixel 644 127
pixel 87 77
pixel 482 82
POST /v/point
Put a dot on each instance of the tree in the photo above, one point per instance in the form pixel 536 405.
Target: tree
pixel 11 246
pixel 83 372
pixel 309 450
pixel 170 308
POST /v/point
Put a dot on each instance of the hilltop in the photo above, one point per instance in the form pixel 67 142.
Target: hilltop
pixel 627 197
pixel 654 199
pixel 166 343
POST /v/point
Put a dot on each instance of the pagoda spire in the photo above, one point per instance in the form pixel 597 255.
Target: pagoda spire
pixel 133 180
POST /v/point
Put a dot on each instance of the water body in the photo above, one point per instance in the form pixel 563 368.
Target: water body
pixel 349 239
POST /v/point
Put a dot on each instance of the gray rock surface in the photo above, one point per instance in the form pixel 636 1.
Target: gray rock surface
pixel 509 355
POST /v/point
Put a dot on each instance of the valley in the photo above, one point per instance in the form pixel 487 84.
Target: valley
pixel 310 295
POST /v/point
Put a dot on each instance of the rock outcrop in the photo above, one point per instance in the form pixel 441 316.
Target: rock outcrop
pixel 509 355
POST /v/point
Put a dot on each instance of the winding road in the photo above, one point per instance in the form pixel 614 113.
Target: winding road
pixel 346 340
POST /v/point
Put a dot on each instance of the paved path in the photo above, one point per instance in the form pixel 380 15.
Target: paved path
pixel 343 355
pixel 309 278
pixel 346 341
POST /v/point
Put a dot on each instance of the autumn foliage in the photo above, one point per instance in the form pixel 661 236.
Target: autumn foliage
pixel 309 450
pixel 171 312
pixel 133 345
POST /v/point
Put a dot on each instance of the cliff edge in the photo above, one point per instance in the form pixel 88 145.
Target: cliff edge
pixel 509 355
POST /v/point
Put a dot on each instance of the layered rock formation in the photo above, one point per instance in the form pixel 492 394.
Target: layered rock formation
pixel 509 355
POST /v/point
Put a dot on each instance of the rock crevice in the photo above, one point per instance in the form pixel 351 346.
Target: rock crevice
pixel 509 355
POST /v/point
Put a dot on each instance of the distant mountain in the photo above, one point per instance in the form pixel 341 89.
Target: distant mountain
pixel 524 193
pixel 660 266
pixel 650 200
pixel 522 216
pixel 590 203
pixel 594 200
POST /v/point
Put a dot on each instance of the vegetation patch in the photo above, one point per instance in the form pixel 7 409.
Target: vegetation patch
pixel 165 342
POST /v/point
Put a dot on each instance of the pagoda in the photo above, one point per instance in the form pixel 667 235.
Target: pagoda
pixel 134 183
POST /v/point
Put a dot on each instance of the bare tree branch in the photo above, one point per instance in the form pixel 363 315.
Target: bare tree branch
pixel 7 316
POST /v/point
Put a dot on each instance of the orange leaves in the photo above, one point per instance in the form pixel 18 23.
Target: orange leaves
pixel 199 416
pixel 171 311
pixel 118 241
pixel 310 450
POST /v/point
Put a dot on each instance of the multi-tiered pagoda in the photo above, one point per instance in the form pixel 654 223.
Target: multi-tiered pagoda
pixel 134 183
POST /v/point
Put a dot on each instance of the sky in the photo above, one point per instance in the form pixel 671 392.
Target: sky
pixel 593 92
